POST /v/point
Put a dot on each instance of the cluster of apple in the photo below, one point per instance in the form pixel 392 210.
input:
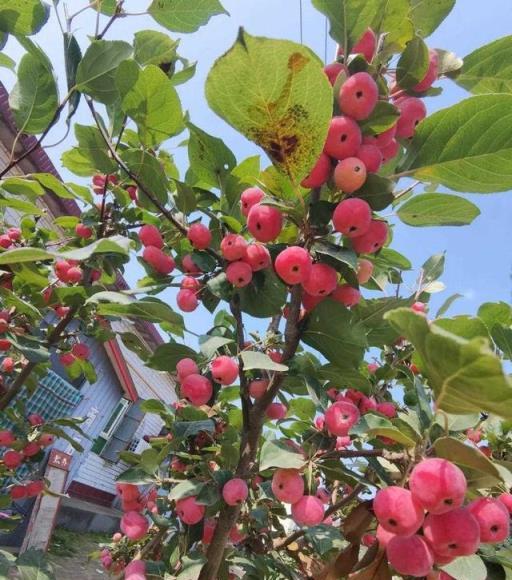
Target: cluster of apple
pixel 101 183
pixel 79 350
pixel 22 449
pixel 10 237
pixel 5 343
pixel 450 529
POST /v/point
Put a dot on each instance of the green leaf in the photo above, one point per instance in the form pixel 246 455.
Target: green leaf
pixel 412 64
pixel 304 409
pixel 275 93
pixel 24 17
pixel 49 181
pixel 465 375
pixel 22 186
pixel 166 356
pixel 488 69
pixel 258 360
pixel 495 312
pixel 72 58
pixel 184 429
pixel 185 489
pixel 150 99
pixel 467 567
pixel 19 255
pixel 7 62
pixel 209 345
pixel 34 98
pixel 107 7
pixel 464 326
pixel 279 454
pixel 264 296
pixel 91 155
pixel 136 476
pixel 114 245
pixel 335 331
pixel 465 147
pixel 96 73
pixel 192 564
pixel 375 426
pixel 382 118
pixel 183 15
pixel 502 336
pixel 433 268
pixel 342 259
pixel 449 64
pixel 210 159
pixel 478 469
pixel 427 15
pixel 149 308
pixel 34 565
pixel 370 313
pixel 377 191
pixel 22 206
pixel 150 172
pixel 437 209
pixel 447 303
pixel 153 47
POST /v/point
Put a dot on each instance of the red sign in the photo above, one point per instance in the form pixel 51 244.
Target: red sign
pixel 59 459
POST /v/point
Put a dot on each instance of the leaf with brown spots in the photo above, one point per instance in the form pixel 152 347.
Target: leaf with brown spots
pixel 276 94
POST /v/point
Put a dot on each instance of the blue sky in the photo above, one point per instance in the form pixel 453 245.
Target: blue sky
pixel 478 257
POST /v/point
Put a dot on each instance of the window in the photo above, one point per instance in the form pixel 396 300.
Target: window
pixel 111 425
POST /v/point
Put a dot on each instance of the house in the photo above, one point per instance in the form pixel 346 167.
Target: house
pixel 114 419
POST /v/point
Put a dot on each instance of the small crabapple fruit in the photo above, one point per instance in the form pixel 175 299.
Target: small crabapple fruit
pixel 6 438
pixel 264 222
pixel 323 495
pixel 373 239
pixel 287 485
pixel 364 270
pixel 18 492
pixel 14 234
pixel 257 388
pixel 66 359
pixel 397 511
pixel 474 435
pixel 350 174
pixel 5 241
pixel 276 411
pixel 233 247
pixel 186 367
pixel 209 526
pixel 410 556
pixel 438 485
pixel 383 536
pixel 5 344
pixel 358 96
pixel 197 389
pixel 35 488
pixel 189 266
pixel 249 198
pixel 492 517
pixel 382 139
pixel 346 295
pixel 367 404
pixel 340 417
pixel 332 72
pixel 187 300
pixel 431 75
pixel 80 350
pixel 308 511
pixel 257 256
pixel 31 449
pixel 419 307
pixel 366 45
pixel 386 409
pixel 189 283
pixel 322 280
pixel 224 370
pixel 343 138
pixel 199 236
pixel 46 440
pixel 134 525
pixel 319 174
pixel 454 533
pixel 371 156
pixel 74 275
pixel 310 302
pixel 12 459
pixel 293 265
pixel 83 231
pixel 239 274
pixel 35 420
pixel 189 511
pixel 412 112
pixel 390 151
pixel 235 491
pixel 7 364
pixel 352 217
pixel 506 500
pixel 160 262
pixel 150 235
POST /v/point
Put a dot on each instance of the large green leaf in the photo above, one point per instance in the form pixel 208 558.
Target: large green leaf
pixel 184 15
pixel 34 565
pixel 437 209
pixel 375 426
pixel 479 470
pixel 153 47
pixel 371 313
pixel 150 99
pixel 264 296
pixel 275 93
pixel 465 375
pixel 150 172
pixel 337 333
pixel 113 245
pixel 279 454
pixel 19 255
pixel 258 360
pixel 96 73
pixel 91 155
pixel 166 356
pixel 34 98
pixel 210 159
pixel 427 15
pixel 502 336
pixel 72 58
pixel 24 17
pixel 468 568
pixel 466 147
pixel 150 308
pixel 488 69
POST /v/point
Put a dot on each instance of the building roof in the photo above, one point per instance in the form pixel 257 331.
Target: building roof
pixel 38 161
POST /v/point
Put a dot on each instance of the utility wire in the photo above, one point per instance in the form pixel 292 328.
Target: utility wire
pixel 300 20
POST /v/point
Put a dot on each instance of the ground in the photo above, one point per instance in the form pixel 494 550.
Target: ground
pixel 70 553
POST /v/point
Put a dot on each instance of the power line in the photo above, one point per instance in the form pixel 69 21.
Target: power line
pixel 300 19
